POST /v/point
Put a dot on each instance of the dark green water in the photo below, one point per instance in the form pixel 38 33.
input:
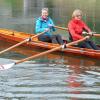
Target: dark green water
pixel 51 77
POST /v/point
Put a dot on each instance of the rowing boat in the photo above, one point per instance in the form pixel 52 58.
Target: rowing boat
pixel 15 37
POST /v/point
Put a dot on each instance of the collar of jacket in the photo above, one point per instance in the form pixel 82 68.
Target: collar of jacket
pixel 44 20
pixel 76 21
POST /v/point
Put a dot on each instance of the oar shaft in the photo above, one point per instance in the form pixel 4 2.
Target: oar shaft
pixel 38 55
pixel 97 35
pixel 38 34
pixel 49 51
pixel 13 46
pixel 62 28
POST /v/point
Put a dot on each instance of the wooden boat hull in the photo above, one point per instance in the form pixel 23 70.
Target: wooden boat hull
pixel 15 37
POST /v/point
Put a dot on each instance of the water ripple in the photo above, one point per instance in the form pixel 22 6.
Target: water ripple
pixel 45 81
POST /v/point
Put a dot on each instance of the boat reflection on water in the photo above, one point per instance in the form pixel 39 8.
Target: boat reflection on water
pixel 77 78
pixel 67 59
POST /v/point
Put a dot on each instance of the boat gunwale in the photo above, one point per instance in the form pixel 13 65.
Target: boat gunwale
pixel 46 45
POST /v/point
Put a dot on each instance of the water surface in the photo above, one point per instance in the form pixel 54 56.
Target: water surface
pixel 53 76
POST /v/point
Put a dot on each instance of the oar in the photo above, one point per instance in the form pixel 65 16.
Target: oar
pixel 97 35
pixel 24 41
pixel 7 66
pixel 63 28
pixel 93 34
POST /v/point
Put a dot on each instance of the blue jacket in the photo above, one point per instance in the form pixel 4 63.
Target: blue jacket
pixel 41 25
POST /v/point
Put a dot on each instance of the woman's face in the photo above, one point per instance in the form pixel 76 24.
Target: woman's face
pixel 44 14
pixel 78 16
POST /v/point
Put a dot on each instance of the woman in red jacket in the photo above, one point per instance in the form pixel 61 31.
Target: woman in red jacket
pixel 76 26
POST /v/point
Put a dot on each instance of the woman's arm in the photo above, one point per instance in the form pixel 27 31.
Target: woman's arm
pixel 52 23
pixel 38 27
pixel 86 28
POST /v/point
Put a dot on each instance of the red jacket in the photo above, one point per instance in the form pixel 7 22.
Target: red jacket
pixel 76 27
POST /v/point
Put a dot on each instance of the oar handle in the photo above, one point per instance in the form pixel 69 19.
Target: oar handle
pixel 97 35
pixel 49 51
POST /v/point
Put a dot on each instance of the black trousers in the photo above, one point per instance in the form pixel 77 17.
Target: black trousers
pixel 52 39
pixel 88 44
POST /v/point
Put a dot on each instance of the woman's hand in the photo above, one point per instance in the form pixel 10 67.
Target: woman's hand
pixel 90 33
pixel 87 37
pixel 50 25
pixel 46 29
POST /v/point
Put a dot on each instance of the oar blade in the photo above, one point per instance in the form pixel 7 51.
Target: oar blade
pixel 6 66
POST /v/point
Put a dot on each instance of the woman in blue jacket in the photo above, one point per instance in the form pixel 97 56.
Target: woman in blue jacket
pixel 45 23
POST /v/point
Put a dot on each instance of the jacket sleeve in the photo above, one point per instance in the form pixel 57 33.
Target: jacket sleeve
pixel 38 27
pixel 74 35
pixel 86 28
pixel 51 22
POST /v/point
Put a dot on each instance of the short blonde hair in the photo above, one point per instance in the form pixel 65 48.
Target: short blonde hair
pixel 44 9
pixel 76 12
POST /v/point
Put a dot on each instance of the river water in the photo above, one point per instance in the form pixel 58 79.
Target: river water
pixel 53 76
